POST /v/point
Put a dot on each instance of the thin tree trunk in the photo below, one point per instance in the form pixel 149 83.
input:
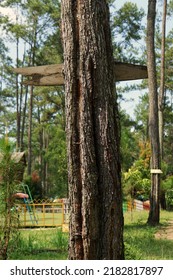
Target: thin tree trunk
pixel 43 161
pixel 162 79
pixel 154 214
pixel 46 162
pixel 30 132
pixel 17 97
pixel 162 96
pixel 33 53
pixel 23 106
pixel 94 174
pixel 23 119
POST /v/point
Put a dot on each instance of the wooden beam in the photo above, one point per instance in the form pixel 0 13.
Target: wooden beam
pixel 127 71
pixel 51 75
pixel 48 80
pixel 46 75
pixel 40 70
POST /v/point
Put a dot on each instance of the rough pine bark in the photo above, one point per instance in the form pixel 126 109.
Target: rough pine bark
pixel 161 100
pixel 94 174
pixel 154 214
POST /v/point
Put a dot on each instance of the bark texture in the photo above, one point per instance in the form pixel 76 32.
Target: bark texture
pixel 154 214
pixel 96 222
pixel 161 99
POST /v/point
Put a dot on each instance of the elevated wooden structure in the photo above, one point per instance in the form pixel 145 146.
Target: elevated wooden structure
pixel 51 75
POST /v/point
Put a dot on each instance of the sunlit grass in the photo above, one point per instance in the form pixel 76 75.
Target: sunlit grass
pixel 41 244
pixel 139 239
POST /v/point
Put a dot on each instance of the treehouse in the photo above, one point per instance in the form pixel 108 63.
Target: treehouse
pixel 52 75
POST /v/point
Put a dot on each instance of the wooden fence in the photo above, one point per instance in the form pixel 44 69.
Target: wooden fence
pixel 56 214
pixel 42 214
pixel 136 205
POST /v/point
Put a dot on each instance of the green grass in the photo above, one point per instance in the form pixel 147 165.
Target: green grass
pixel 41 244
pixel 140 243
pixel 139 239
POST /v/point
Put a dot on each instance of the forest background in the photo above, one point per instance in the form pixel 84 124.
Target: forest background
pixel 34 118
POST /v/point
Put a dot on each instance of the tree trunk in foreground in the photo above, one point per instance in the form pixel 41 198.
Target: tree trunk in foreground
pixel 154 214
pixel 96 221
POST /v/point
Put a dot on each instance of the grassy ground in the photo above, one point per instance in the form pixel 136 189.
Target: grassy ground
pixel 41 244
pixel 140 242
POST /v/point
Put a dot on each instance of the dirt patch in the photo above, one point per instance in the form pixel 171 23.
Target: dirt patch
pixel 165 232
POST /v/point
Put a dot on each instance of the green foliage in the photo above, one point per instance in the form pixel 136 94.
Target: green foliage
pixel 8 186
pixel 34 184
pixel 128 22
pixel 57 160
pixel 50 141
pixel 129 147
pixel 141 116
pixel 127 27
pixel 136 182
pixel 167 186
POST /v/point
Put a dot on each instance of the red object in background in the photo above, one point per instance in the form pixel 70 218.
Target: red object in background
pixel 146 205
pixel 20 195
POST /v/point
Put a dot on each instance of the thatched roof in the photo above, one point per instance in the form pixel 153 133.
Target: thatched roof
pixel 20 160
pixel 16 157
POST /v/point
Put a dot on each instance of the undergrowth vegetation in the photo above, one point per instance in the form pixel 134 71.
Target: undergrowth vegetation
pixel 41 244
pixel 139 239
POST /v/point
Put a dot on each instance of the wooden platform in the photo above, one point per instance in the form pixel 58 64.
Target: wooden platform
pixel 51 75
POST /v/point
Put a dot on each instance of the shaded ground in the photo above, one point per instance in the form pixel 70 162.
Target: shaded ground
pixel 165 232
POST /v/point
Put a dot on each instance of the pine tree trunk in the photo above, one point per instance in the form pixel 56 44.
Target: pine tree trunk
pixel 18 113
pixel 30 132
pixel 32 62
pixel 154 214
pixel 96 221
pixel 162 79
pixel 24 119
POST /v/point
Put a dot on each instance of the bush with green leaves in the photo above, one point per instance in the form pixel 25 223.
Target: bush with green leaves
pixel 8 187
pixel 136 181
